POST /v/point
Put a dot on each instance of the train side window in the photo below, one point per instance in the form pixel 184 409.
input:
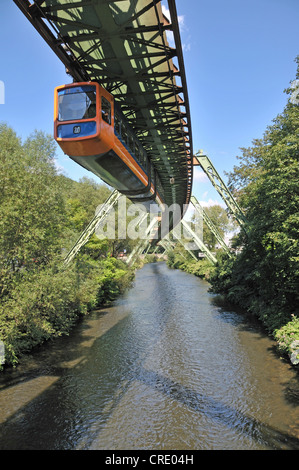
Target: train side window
pixel 124 134
pixel 131 143
pixel 117 123
pixel 106 110
pixel 137 151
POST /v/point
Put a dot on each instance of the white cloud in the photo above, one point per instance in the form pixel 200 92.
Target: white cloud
pixel 183 28
pixel 199 175
pixel 181 20
pixel 212 202
pixel 186 47
pixel 166 12
pixel 58 167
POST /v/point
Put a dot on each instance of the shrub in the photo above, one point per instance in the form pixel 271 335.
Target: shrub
pixel 288 339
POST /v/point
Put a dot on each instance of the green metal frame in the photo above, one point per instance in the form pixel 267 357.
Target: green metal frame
pixel 92 226
pixel 202 213
pixel 144 242
pixel 221 188
pixel 123 45
pixel 201 246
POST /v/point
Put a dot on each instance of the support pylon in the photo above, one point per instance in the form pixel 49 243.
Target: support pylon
pixel 147 236
pixel 202 247
pixel 210 224
pixel 211 172
pixel 91 227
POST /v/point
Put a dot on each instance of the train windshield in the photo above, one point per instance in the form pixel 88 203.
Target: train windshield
pixel 77 103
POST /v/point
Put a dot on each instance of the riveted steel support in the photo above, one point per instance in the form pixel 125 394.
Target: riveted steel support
pixel 202 247
pixel 168 245
pixel 200 210
pixel 211 172
pixel 91 227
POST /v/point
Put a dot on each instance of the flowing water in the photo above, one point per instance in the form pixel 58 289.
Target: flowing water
pixel 166 367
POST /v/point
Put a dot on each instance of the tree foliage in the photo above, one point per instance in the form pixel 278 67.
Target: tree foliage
pixel 221 221
pixel 263 277
pixel 42 214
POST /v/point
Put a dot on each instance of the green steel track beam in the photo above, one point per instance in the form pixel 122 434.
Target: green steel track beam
pixel 123 46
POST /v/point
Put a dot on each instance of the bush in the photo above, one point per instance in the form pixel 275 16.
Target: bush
pixel 113 280
pixel 201 268
pixel 47 303
pixel 288 339
pixel 264 277
pixel 151 258
pixel 41 216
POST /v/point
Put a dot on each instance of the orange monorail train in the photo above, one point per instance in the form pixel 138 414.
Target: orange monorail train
pixel 93 132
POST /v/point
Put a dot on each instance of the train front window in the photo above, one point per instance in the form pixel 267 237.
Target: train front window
pixel 77 103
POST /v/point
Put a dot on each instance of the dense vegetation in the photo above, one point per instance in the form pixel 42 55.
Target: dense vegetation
pixel 263 276
pixel 179 258
pixel 42 214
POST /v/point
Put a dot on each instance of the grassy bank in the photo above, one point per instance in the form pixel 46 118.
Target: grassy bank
pixel 47 303
pixel 201 268
pixel 42 213
pixel 286 336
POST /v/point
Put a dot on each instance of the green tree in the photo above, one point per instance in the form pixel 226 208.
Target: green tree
pixel 31 203
pixel 264 276
pixel 41 214
pixel 220 219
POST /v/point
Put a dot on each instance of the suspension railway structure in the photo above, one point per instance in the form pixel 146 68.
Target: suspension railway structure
pixel 134 53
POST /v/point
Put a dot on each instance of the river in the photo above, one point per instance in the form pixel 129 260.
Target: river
pixel 165 367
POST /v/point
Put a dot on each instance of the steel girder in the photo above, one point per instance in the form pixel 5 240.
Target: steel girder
pixel 123 45
pixel 214 177
pixel 99 218
pixel 201 246
pixel 202 213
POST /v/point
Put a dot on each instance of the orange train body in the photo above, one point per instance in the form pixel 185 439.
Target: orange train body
pixel 92 132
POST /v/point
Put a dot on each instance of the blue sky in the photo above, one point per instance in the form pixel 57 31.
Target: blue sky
pixel 239 57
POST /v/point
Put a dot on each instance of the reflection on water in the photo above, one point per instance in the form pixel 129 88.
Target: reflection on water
pixel 166 367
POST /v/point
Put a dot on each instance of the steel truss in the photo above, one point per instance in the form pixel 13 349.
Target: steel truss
pixel 202 213
pixel 92 226
pixel 123 45
pixel 145 240
pixel 201 246
pixel 211 172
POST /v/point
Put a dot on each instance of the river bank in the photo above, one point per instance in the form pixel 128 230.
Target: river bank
pixel 163 367
pixel 48 303
pixel 286 337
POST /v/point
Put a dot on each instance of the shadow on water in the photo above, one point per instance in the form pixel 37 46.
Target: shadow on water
pixel 81 397
pixel 248 322
pixel 220 412
pixel 38 425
